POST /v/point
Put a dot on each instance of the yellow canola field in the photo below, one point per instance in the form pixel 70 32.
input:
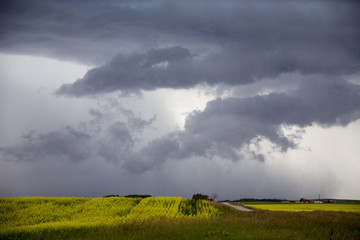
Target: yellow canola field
pixel 42 213
pixel 300 207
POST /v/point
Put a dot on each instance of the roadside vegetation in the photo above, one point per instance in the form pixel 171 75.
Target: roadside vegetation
pixel 163 218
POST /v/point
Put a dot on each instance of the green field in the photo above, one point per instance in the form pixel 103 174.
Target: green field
pixel 306 207
pixel 163 218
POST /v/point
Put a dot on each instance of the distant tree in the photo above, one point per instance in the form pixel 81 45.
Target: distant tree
pixel 213 196
pixel 111 196
pixel 137 196
pixel 199 196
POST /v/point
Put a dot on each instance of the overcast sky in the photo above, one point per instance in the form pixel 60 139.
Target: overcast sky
pixel 241 98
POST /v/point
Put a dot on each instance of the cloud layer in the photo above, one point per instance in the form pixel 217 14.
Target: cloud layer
pixel 240 46
pixel 225 128
pixel 228 125
pixel 311 37
pixel 269 66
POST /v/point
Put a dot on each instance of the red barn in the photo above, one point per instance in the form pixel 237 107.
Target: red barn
pixel 304 200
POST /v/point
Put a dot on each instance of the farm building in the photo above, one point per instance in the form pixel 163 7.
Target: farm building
pixel 302 200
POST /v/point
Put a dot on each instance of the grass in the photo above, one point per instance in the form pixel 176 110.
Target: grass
pixel 228 224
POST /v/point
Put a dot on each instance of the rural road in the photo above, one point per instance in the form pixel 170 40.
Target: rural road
pixel 240 208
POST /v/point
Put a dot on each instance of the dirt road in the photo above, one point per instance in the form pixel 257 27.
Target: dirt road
pixel 240 208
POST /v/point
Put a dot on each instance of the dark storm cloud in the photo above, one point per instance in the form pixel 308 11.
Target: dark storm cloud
pixel 228 125
pixel 177 67
pixel 235 42
pixel 167 68
pixel 252 43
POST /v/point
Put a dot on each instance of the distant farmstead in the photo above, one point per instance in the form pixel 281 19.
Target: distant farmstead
pixel 302 200
pixel 330 201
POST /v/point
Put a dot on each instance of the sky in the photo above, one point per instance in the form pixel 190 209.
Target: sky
pixel 256 99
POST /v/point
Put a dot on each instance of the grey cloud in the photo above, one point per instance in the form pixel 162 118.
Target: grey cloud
pixel 136 123
pixel 234 42
pixel 156 153
pixel 226 126
pixel 109 139
pixel 330 102
pixel 155 68
pixel 177 67
pixel 120 134
pixel 117 141
pixel 111 110
pixel 68 144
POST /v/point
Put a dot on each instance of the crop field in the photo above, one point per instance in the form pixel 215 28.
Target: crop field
pixel 163 218
pixel 39 213
pixel 306 207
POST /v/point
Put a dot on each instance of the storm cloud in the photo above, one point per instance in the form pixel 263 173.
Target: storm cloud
pixel 233 42
pixel 68 144
pixel 248 44
pixel 265 68
pixel 160 68
pixel 103 137
pixel 228 125
pixel 225 128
